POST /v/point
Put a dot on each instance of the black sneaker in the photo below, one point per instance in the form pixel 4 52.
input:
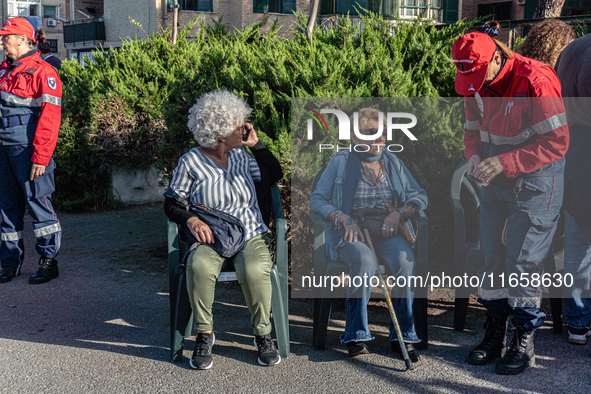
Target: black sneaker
pixel 413 353
pixel 202 358
pixel 47 271
pixel 7 273
pixel 357 348
pixel 268 355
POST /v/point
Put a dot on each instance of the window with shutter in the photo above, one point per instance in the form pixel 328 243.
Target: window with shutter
pixel 276 6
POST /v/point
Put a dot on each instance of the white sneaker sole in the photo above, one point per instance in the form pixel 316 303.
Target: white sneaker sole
pixel 268 365
pixel 202 368
pixel 206 367
pixel 578 339
pixel 260 361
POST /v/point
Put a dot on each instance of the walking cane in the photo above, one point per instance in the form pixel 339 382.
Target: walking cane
pixel 409 364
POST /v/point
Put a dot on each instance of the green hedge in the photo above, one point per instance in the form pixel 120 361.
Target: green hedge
pixel 129 107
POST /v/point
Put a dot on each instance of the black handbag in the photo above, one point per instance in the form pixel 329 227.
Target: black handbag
pixel 228 230
pixel 374 219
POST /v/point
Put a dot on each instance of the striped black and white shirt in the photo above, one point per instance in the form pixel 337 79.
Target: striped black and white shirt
pixel 199 180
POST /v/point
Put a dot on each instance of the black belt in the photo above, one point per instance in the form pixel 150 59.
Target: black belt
pixel 18 120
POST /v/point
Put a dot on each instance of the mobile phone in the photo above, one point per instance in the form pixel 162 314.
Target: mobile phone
pixel 473 178
pixel 245 133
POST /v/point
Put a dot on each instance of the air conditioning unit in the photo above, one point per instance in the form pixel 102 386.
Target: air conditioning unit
pixel 53 22
pixel 520 2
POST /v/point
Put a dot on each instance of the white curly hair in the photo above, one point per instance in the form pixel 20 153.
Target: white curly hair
pixel 215 115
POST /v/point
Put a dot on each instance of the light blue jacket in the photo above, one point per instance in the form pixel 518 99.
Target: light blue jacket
pixel 328 194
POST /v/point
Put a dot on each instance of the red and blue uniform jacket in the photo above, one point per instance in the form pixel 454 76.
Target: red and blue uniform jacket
pixel 31 105
pixel 519 117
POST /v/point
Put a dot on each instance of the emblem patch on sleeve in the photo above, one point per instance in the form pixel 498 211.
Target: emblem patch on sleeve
pixel 51 83
pixel 2 72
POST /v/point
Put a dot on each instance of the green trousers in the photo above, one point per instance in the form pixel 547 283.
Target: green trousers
pixel 253 268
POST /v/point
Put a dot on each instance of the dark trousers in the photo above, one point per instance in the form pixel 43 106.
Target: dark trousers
pixel 530 210
pixel 18 192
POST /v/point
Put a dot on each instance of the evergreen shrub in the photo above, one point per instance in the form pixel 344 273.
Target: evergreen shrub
pixel 129 107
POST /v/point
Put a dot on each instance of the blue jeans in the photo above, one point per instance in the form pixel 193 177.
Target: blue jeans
pixel 577 262
pixel 531 210
pixel 396 254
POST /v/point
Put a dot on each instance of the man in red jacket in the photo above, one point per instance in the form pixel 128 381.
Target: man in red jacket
pixel 516 138
pixel 30 101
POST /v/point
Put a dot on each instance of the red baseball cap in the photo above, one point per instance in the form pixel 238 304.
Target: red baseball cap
pixel 20 27
pixel 471 54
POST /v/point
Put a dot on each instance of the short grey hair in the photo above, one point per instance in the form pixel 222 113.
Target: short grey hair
pixel 214 116
pixel 365 116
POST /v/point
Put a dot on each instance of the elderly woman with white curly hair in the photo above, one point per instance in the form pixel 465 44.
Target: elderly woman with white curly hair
pixel 221 175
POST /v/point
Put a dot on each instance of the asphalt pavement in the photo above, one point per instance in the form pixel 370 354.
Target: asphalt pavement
pixel 103 327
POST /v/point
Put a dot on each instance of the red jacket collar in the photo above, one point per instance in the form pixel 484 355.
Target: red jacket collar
pixel 503 80
pixel 25 58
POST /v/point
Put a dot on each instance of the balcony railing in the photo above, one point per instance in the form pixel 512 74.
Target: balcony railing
pixel 83 32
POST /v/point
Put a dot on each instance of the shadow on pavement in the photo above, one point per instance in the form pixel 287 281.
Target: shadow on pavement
pixel 112 296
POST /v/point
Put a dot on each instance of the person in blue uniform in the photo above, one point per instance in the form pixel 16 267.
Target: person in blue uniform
pixel 30 102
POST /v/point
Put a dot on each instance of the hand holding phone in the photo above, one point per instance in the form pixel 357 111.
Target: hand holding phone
pixel 245 132
pixel 249 135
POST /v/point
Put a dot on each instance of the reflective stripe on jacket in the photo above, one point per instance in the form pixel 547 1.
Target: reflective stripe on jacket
pixel 519 117
pixel 31 99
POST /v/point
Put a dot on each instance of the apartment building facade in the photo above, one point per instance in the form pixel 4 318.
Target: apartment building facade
pixel 154 15
pixel 51 15
pixel 106 23
pixel 76 27
pixel 502 10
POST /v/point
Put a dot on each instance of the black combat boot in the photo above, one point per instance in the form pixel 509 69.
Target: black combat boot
pixel 494 342
pixel 520 355
pixel 46 272
pixel 7 273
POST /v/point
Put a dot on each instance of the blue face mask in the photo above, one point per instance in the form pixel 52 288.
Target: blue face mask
pixel 364 156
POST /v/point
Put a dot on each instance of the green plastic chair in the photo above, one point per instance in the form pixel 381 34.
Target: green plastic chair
pixel 181 316
pixel 327 267
pixel 469 256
